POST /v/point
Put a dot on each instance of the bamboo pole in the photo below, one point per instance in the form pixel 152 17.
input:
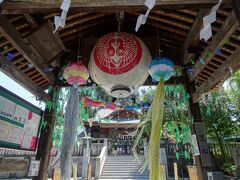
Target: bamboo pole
pixel 56 174
pixel 175 171
pixel 74 171
pixel 89 176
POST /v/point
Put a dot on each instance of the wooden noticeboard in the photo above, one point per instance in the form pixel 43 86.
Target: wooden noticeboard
pixel 19 122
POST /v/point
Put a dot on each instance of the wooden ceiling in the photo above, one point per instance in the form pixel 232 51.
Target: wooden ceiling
pixel 178 24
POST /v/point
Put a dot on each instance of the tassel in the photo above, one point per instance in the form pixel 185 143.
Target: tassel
pixel 154 143
pixel 69 133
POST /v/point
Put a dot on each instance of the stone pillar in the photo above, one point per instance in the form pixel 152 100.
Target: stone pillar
pixel 86 157
pixel 145 146
pixel 105 142
pixel 203 162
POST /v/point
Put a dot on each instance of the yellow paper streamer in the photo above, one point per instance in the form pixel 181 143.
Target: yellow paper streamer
pixel 154 143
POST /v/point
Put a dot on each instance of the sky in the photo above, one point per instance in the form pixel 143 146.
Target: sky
pixel 17 89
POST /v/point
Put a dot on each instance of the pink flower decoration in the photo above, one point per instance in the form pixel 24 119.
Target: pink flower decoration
pixel 76 73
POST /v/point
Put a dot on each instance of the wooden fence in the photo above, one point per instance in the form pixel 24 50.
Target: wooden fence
pixel 228 148
pixel 97 146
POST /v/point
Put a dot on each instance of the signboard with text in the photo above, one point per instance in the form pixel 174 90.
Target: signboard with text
pixel 19 122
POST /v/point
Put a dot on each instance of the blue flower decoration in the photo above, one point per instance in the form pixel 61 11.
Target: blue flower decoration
pixel 10 56
pixel 46 70
pixel 218 51
pixel 161 68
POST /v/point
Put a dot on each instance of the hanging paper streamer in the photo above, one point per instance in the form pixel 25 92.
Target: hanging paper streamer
pixel 143 18
pixel 161 69
pixel 227 42
pixel 76 73
pixel 138 106
pixel 71 118
pixel 30 66
pixel 202 61
pixel 98 104
pixel 59 21
pixel 206 31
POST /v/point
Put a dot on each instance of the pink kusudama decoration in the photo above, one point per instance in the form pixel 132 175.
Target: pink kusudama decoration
pixel 76 73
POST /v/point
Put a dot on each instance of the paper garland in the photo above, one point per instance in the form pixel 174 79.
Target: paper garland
pixel 143 18
pixel 60 21
pixel 206 31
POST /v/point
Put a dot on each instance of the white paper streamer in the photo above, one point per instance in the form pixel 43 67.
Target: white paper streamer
pixel 60 21
pixel 143 18
pixel 206 31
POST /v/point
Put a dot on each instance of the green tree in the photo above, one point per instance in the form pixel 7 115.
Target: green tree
pixel 218 120
pixel 233 92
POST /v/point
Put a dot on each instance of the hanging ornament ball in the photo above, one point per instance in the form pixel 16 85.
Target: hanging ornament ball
pixel 161 68
pixel 119 63
pixel 10 56
pixel 76 73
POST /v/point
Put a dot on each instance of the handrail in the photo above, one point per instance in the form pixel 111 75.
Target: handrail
pixel 100 160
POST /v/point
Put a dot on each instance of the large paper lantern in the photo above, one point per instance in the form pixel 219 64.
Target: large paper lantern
pixel 119 63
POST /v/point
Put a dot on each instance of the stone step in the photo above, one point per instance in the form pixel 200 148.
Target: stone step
pixel 112 173
pixel 122 164
pixel 123 167
pixel 124 177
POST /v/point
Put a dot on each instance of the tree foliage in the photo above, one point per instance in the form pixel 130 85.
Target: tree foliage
pixel 217 116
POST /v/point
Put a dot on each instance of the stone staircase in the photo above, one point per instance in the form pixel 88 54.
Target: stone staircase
pixel 123 167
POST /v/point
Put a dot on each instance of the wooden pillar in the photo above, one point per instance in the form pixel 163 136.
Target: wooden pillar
pixel 203 162
pixel 45 145
pixel 236 7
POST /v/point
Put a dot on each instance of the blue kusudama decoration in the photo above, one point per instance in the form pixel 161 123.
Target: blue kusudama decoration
pixel 10 56
pixel 161 68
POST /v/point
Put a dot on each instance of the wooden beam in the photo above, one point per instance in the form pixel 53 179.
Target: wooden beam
pixel 236 7
pixel 229 26
pixel 13 72
pixel 192 38
pixel 222 73
pixel 203 162
pixel 39 6
pixel 24 47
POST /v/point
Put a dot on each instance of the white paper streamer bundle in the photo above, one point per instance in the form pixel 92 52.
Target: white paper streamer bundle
pixel 206 31
pixel 71 119
pixel 59 21
pixel 143 18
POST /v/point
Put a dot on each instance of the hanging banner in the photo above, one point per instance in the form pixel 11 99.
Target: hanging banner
pixel 196 151
pixel 19 122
